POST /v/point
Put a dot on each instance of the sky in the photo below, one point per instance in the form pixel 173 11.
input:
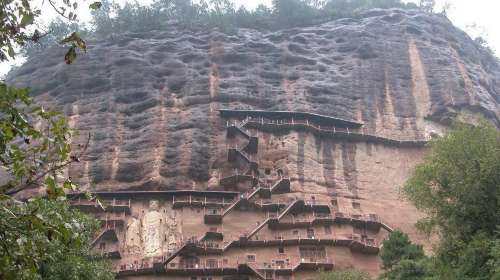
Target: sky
pixel 476 17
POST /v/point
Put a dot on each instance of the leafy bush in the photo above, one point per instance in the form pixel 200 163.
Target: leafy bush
pixel 344 275
pixel 458 187
pixel 55 243
pixel 398 247
pixel 402 259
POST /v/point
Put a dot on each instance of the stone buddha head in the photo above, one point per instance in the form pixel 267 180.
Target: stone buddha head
pixel 154 205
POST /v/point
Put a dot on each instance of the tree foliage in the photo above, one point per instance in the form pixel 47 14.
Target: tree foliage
pixel 427 5
pixel 44 239
pixel 19 26
pixel 223 14
pixel 398 247
pixel 41 238
pixel 457 186
pixel 402 259
pixel 112 18
pixel 344 275
pixel 57 30
pixel 34 144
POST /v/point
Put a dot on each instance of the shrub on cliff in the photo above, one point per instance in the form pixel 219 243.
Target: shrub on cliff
pixel 344 275
pixel 457 186
pixel 402 259
pixel 398 247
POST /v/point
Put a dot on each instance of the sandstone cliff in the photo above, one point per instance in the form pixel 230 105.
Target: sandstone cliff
pixel 151 102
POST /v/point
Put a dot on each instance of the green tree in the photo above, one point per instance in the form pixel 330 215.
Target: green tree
pixel 102 21
pixel 494 263
pixel 40 238
pixel 291 13
pixel 45 239
pixel 32 155
pixel 457 186
pixel 402 259
pixel 427 5
pixel 344 275
pixel 57 29
pixel 19 25
pixel 407 269
pixel 222 14
pixel 398 247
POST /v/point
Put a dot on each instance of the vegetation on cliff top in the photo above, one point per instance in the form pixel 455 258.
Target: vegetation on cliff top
pixel 112 18
pixel 223 14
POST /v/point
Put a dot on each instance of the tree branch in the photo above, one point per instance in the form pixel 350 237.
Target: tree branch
pixel 58 11
pixel 73 158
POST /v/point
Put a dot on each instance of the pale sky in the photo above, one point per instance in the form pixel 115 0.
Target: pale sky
pixel 476 17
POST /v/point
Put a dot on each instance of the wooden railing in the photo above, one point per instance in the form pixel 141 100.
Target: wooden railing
pixel 348 133
pixel 106 203
pixel 202 201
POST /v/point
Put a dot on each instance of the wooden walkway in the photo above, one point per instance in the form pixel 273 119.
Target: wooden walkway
pixel 315 118
pixel 357 135
pixel 281 185
pixel 219 268
pixel 277 217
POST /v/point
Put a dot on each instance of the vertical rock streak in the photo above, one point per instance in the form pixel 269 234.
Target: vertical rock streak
pixel 420 87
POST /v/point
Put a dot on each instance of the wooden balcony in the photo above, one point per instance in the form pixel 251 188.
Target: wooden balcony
pixel 292 221
pixel 213 216
pixel 347 133
pixel 199 201
pixel 315 264
pixel 115 218
pixel 369 221
pixel 110 253
pixel 313 117
pixel 238 177
pixel 110 205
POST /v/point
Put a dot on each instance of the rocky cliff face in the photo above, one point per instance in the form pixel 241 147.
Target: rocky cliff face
pixel 151 102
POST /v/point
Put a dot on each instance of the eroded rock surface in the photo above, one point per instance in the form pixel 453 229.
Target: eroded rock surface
pixel 150 102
